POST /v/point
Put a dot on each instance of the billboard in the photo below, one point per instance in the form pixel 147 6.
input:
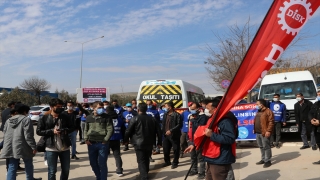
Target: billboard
pixel 90 95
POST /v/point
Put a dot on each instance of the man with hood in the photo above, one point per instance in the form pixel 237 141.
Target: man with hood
pixel 19 143
pixel 97 134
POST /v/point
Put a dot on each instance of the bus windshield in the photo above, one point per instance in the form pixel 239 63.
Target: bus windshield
pixel 288 90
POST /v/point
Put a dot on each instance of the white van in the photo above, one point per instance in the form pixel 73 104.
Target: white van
pixel 288 85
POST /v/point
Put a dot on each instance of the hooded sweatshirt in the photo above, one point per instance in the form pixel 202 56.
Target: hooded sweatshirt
pixel 18 138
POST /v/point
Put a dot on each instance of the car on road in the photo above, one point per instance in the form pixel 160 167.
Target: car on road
pixel 36 112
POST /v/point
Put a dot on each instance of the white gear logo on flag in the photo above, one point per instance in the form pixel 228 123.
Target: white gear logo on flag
pixel 295 15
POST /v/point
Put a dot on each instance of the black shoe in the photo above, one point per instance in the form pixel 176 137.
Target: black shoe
pixel 37 178
pixel 278 146
pixel 174 166
pixel 77 152
pixel 125 149
pixel 75 157
pixel 151 160
pixel 181 155
pixel 314 148
pixel 166 164
pixel 267 164
pixel 82 143
pixel 192 173
pixel 316 163
pixel 20 169
pixel 305 147
pixel 260 162
pixel 272 145
pixel 201 176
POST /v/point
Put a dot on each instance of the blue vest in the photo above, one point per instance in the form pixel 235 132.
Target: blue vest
pixel 153 113
pixel 117 124
pixel 127 115
pixel 161 113
pixel 279 110
pixel 118 110
pixel 185 119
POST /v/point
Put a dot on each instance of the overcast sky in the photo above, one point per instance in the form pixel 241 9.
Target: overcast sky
pixel 143 39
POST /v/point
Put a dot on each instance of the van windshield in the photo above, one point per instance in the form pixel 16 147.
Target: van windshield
pixel 288 90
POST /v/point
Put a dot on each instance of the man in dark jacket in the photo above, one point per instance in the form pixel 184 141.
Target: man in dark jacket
pixel 97 134
pixel 142 131
pixel 197 118
pixel 314 117
pixel 6 113
pixel 220 155
pixel 171 126
pixel 75 119
pixel 56 127
pixel 301 111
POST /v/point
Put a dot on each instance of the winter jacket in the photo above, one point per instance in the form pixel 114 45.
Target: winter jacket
pixel 99 128
pixel 196 120
pixel 185 120
pixel 46 127
pixel 142 131
pixel 74 117
pixel 301 114
pixel 154 113
pixel 18 138
pixel 279 110
pixel 266 121
pixel 175 124
pixel 315 113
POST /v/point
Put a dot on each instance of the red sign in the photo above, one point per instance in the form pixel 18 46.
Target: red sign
pixel 94 92
pixel 280 26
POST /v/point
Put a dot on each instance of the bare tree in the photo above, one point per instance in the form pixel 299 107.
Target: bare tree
pixel 36 85
pixel 224 61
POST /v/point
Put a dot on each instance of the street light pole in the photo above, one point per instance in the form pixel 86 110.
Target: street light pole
pixel 82 43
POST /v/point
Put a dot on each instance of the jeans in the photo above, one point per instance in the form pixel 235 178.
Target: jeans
pixel 195 159
pixel 264 145
pixel 83 125
pixel 230 174
pixel 143 161
pixel 13 166
pixel 169 142
pixel 98 156
pixel 277 132
pixel 52 160
pixel 304 136
pixel 73 139
pixel 114 145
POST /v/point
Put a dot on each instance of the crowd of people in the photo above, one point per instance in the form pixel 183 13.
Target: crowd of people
pixel 148 127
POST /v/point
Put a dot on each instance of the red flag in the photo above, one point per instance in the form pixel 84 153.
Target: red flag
pixel 282 23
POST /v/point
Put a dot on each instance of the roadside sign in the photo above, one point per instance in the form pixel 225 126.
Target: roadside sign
pixel 225 84
pixel 89 95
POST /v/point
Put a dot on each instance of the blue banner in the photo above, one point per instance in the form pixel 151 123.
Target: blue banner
pixel 245 114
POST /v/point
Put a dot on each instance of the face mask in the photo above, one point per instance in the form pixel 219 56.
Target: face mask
pixel 298 98
pixel 58 110
pixel 193 111
pixel 258 107
pixel 149 106
pixel 70 108
pixel 129 109
pixel 105 107
pixel 165 109
pixel 207 113
pixel 100 111
pixel 275 99
pixel 318 98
